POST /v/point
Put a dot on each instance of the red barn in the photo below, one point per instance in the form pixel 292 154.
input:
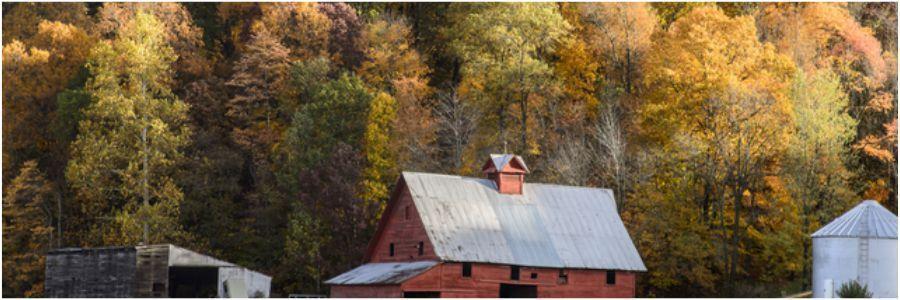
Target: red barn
pixel 453 236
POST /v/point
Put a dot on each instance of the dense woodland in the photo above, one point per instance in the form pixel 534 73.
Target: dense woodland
pixel 270 135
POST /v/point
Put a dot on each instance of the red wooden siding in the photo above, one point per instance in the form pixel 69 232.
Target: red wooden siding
pixel 405 233
pixel 486 279
pixel 366 291
pixel 485 282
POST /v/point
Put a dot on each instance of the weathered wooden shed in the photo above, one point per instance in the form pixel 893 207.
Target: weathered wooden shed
pixel 452 236
pixel 153 271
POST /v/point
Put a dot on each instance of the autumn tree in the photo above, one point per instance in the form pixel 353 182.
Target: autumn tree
pixel 21 21
pixel 34 72
pixel 457 122
pixel 577 70
pixel 344 33
pixel 392 65
pixel 300 27
pixel 28 209
pixel 502 48
pixel 258 80
pixel 179 32
pixel 210 176
pixel 716 90
pixel 335 162
pixel 129 143
pixel 817 152
pixel 679 250
pixel 237 18
pixel 390 55
pixel 330 226
pixel 826 36
pixel 381 163
pixel 620 35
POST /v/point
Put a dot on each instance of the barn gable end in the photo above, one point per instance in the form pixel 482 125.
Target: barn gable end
pixel 400 225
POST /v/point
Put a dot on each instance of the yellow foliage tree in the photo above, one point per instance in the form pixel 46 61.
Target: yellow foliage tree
pixel 714 92
pixel 379 173
pixel 34 72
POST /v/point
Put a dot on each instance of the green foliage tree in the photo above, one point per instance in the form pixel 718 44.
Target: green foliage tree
pixel 502 47
pixel 337 112
pixel 129 142
pixel 816 157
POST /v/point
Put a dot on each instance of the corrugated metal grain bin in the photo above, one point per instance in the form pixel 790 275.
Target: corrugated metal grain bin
pixel 859 245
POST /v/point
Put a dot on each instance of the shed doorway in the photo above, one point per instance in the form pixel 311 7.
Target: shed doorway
pixel 518 291
pixel 421 294
pixel 193 282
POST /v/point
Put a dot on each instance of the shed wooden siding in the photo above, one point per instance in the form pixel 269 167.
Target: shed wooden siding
pixel 404 233
pixel 152 278
pixel 91 273
pixel 486 280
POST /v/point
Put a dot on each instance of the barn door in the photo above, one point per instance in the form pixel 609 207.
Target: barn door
pixel 421 294
pixel 518 291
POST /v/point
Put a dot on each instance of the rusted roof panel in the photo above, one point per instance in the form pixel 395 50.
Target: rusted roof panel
pixel 382 273
pixel 868 219
pixel 547 226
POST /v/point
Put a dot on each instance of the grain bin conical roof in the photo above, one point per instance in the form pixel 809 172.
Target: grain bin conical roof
pixel 868 219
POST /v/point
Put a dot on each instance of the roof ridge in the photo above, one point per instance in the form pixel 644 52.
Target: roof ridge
pixel 526 183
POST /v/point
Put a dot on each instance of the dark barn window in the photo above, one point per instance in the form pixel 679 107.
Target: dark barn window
pixel 610 277
pixel 391 250
pixel 406 212
pixel 421 248
pixel 533 275
pixel 514 272
pixel 467 269
pixel 563 276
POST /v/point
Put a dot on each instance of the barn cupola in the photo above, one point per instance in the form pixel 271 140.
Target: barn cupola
pixel 507 171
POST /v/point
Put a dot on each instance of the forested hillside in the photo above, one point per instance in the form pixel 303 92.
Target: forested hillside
pixel 270 135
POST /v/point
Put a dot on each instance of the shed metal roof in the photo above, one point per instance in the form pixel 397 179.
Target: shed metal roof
pixel 382 273
pixel 868 219
pixel 547 226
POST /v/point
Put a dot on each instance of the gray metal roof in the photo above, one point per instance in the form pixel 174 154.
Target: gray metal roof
pixel 868 219
pixel 547 226
pixel 383 273
pixel 182 257
pixel 501 160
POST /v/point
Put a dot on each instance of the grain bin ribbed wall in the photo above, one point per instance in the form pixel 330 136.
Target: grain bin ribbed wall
pixel 859 245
